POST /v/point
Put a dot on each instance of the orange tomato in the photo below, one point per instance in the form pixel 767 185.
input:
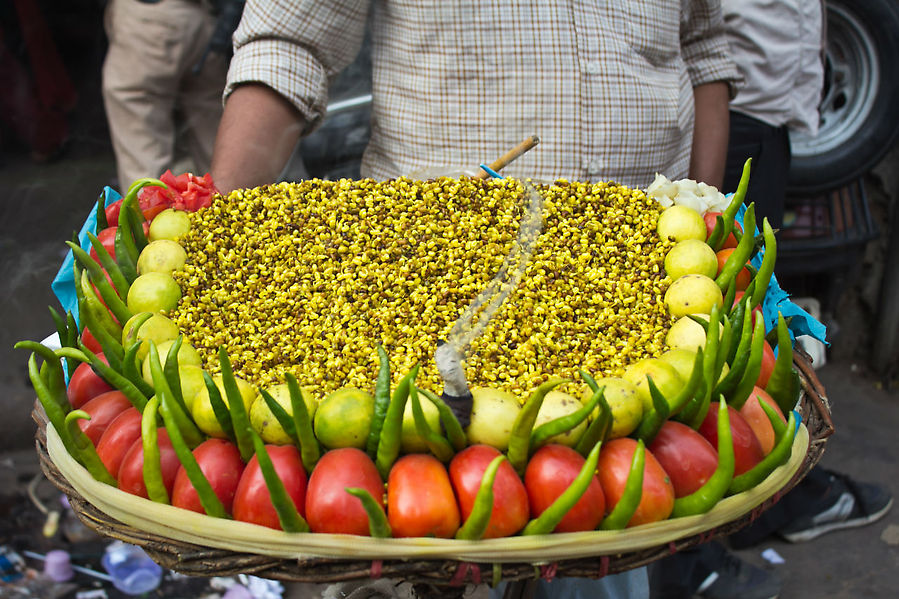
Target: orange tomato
pixel 420 498
pixel 743 277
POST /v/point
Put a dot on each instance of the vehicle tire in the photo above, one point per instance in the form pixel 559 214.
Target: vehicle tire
pixel 859 115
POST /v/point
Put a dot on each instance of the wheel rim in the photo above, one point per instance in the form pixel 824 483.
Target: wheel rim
pixel 851 81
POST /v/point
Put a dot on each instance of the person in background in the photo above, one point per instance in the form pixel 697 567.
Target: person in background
pixel 614 91
pixel 778 49
pixel 163 78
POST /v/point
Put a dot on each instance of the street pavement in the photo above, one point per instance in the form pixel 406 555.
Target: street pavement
pixel 43 204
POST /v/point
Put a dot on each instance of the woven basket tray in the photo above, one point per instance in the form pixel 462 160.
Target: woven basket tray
pixel 198 545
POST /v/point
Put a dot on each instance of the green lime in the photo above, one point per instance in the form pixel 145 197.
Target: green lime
pixel 343 418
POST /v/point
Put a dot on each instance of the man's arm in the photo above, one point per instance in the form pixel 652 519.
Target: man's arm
pixel 710 133
pixel 257 134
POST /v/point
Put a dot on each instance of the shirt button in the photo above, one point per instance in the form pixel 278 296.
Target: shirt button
pixel 593 67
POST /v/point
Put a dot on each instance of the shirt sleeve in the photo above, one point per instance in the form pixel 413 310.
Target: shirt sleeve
pixel 704 44
pixel 297 48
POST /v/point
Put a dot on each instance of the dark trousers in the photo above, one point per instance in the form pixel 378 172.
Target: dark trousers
pixel 769 148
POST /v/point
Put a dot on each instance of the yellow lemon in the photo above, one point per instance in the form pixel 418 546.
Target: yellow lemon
pixel 689 257
pixel 264 422
pixel 557 404
pixel 187 355
pixel 623 400
pixel 157 328
pixel 411 441
pixel 493 412
pixel 678 223
pixel 664 377
pixel 693 294
pixel 201 407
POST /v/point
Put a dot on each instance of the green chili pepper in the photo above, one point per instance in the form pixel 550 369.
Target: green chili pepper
pixel 742 325
pixel 85 452
pixel 546 522
pixel 288 516
pixel 558 426
pixel 601 425
pixel 130 370
pixel 476 525
pixel 436 443
pixel 741 254
pixel 152 467
pixel 652 421
pixel 281 415
pixel 108 344
pixel 98 278
pixel 763 278
pixel 189 431
pixel 128 389
pixel 125 249
pixel 135 217
pixel 753 368
pixel 716 240
pixel 172 376
pixel 56 414
pixel 382 400
pixel 520 437
pixel 310 451
pixel 710 357
pixel 457 437
pixel 714 489
pixel 378 526
pixel 724 347
pixel 219 407
pixel 624 510
pixel 119 282
pixel 783 386
pixel 212 505
pixel 718 233
pixel 89 302
pixel 53 378
pixel 691 393
pixel 235 406
pixel 62 330
pixel 780 453
pixel 391 432
pixel 730 294
pixel 102 223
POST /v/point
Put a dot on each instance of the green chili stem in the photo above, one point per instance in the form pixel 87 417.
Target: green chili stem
pixel 152 467
pixel 546 522
pixel 389 441
pixel 288 516
pixel 714 489
pixel 85 452
pixel 731 211
pixel 624 510
pixel 378 526
pixel 520 438
pixel 310 451
pixel 382 401
pixel 476 525
pixel 457 437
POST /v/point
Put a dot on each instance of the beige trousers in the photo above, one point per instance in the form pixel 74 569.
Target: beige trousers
pixel 159 110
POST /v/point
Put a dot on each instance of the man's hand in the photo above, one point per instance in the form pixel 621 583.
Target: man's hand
pixel 257 134
pixel 710 133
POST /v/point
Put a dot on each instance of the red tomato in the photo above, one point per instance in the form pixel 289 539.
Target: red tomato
pixel 768 361
pixel 657 501
pixel 221 464
pixel 744 277
pixel 131 472
pixel 329 508
pixel 112 214
pixel 252 501
pixel 103 410
pixel 184 192
pixel 747 449
pixel 90 342
pixel 685 455
pixel 710 219
pixel 150 214
pixel 510 499
pixel 757 419
pixel 549 472
pixel 420 500
pixel 106 237
pixel 86 384
pixel 118 438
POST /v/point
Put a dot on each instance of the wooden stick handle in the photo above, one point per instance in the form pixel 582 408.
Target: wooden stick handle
pixel 509 156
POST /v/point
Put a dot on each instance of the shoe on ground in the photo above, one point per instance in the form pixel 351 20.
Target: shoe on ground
pixel 738 579
pixel 847 504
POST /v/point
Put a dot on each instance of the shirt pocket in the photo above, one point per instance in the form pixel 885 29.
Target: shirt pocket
pixel 651 29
